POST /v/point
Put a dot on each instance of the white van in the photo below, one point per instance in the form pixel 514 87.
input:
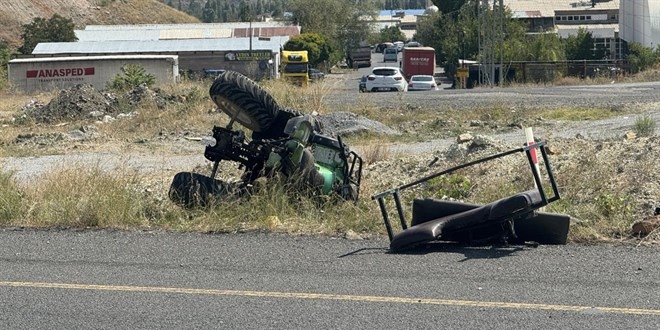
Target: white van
pixel 390 54
pixel 399 45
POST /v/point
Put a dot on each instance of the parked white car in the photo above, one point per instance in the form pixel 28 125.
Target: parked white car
pixel 422 82
pixel 386 79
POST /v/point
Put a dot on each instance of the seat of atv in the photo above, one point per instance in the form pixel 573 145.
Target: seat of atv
pixel 459 223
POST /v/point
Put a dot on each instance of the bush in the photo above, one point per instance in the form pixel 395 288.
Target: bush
pixel 131 77
pixel 644 126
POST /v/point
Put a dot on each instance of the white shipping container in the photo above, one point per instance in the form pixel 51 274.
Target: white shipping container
pixel 48 73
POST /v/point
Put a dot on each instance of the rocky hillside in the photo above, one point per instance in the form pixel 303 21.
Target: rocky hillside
pixel 15 13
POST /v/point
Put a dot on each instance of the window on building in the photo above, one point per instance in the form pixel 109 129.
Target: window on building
pixel 582 18
pixel 570 18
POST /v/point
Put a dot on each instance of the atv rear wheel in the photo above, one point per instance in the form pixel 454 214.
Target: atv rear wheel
pixel 244 101
pixel 193 189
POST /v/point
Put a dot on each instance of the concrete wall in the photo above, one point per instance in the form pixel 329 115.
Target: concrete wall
pixel 45 74
pixel 639 21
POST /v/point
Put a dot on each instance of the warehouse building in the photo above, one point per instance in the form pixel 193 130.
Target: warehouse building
pixel 250 48
pixel 566 18
pixel 640 22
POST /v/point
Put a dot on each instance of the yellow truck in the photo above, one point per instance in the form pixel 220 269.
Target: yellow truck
pixel 295 67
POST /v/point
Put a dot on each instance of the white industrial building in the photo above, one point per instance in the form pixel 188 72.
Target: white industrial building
pixel 566 18
pixel 250 48
pixel 48 73
pixel 640 22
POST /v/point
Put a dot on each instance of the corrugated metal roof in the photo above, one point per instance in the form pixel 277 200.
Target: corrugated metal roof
pixel 529 14
pixel 89 58
pixel 232 25
pixel 267 31
pixel 184 31
pixel 194 34
pixel 84 35
pixel 158 46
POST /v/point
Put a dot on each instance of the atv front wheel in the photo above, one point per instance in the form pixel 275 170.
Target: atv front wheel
pixel 244 101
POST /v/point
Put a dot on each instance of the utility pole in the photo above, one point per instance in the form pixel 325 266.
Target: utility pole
pixel 486 43
pixel 501 10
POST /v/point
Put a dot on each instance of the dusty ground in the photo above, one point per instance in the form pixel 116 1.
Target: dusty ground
pixel 15 13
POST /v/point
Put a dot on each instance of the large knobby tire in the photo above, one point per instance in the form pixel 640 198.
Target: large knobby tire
pixel 244 100
pixel 276 129
pixel 194 190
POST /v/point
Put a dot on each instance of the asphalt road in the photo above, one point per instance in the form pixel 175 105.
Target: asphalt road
pixel 143 280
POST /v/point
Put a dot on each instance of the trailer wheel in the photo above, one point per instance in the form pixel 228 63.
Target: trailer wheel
pixel 244 100
pixel 194 190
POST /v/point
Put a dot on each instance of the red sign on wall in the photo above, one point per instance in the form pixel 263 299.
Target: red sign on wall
pixel 58 73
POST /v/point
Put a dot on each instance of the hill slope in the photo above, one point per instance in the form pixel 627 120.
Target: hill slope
pixel 15 13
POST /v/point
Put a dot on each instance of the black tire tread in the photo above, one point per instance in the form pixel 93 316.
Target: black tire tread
pixel 254 101
pixel 192 189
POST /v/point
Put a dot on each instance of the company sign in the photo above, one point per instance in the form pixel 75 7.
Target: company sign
pixel 65 74
pixel 419 60
pixel 257 55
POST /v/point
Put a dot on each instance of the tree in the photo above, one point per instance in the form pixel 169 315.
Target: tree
pixel 5 55
pixel 455 32
pixel 344 23
pixel 317 47
pixel 55 29
pixel 581 47
pixel 543 47
pixel 209 15
pixel 131 76
pixel 449 6
pixel 642 58
pixel 245 12
pixel 390 34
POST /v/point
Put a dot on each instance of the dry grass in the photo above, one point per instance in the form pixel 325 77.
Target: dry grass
pixel 88 196
pixel 374 152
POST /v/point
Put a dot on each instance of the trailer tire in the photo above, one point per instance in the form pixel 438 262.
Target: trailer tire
pixel 244 101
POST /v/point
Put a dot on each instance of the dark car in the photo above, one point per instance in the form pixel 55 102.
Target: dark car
pixel 381 47
pixel 315 74
pixel 362 84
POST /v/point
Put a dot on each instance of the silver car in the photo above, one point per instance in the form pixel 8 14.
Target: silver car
pixel 390 54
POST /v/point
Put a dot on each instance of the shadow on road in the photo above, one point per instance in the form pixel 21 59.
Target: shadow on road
pixel 365 251
pixel 469 252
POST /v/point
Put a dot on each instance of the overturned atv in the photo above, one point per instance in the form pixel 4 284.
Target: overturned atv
pixel 283 143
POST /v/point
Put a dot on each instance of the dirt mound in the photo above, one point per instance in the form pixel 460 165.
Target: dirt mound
pixel 76 103
pixel 346 123
pixel 86 102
